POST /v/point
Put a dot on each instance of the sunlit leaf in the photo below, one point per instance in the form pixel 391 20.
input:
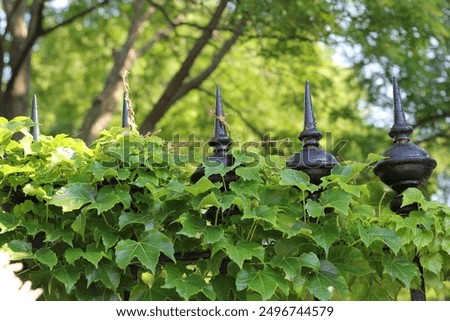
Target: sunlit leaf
pixel 146 250
pixel 73 196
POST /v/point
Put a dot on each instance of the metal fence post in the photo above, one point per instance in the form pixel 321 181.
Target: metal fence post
pixel 35 118
pixel 221 144
pixel 311 159
pixel 125 110
pixel 407 165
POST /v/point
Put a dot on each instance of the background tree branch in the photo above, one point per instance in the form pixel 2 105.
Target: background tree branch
pixel 12 98
pixel 172 88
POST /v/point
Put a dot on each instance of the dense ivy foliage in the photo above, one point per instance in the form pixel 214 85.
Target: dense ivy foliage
pixel 121 220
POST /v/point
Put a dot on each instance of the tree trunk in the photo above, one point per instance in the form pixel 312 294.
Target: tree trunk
pixel 105 104
pixel 15 99
pixel 167 99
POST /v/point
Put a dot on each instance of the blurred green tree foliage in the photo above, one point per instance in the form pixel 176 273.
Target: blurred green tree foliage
pixel 259 51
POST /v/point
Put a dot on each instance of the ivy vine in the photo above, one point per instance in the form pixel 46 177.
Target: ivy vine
pixel 121 220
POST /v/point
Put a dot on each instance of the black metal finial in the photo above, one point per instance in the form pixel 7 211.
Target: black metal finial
pixel 311 159
pixel 35 118
pixel 400 131
pixel 407 165
pixel 125 110
pixel 221 142
pixel 310 136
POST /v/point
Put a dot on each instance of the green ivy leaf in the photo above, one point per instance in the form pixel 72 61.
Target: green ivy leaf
pixel 100 172
pixel 400 268
pixel 292 225
pixel 93 255
pixel 53 235
pixel 325 235
pixel 146 250
pixel 327 276
pixel 310 260
pixel 432 262
pixel 372 158
pixel 412 195
pixel 249 174
pixel 68 276
pixel 349 260
pixel 8 222
pixel 223 286
pixel 353 189
pixel 6 169
pixel 294 177
pixel 246 188
pixel 16 124
pixel 73 254
pixel 39 192
pixel 145 293
pixel 202 185
pixel 345 173
pixel 385 235
pixel 209 200
pixel 292 265
pixel 79 225
pixel 109 236
pixel 263 213
pixel 127 218
pixel 176 186
pixel 446 245
pixel 423 238
pixel 106 273
pixel 145 178
pixel 105 199
pixel 74 196
pixel 242 156
pixel 186 284
pixel 243 250
pixel 337 199
pixel 123 173
pixel 195 226
pixel 46 256
pixel 19 246
pixel 265 281
pixel 213 167
pixel 314 209
pixel 123 192
pixel 285 247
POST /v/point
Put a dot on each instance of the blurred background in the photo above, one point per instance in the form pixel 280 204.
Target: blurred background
pixel 73 55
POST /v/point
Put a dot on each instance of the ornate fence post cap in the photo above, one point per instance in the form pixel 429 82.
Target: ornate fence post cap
pixel 310 136
pixel 407 164
pixel 35 131
pixel 220 142
pixel 311 159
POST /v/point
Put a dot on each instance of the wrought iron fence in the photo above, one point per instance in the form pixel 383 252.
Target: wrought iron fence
pixel 406 164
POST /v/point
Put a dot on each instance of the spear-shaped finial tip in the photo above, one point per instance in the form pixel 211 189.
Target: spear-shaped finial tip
pixel 310 135
pixel 220 137
pixel 35 118
pixel 400 131
pixel 125 110
pixel 220 129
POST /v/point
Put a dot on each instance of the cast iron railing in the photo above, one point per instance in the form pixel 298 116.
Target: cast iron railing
pixel 407 165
